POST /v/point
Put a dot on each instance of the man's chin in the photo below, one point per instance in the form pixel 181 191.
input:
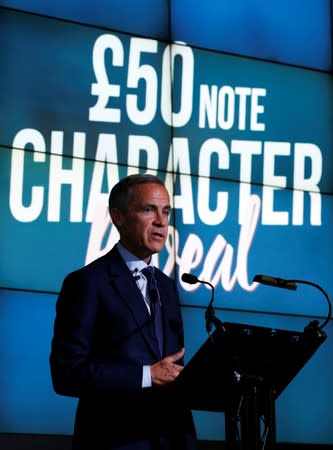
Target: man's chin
pixel 156 248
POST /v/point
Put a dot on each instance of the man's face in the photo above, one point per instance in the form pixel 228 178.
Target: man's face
pixel 143 226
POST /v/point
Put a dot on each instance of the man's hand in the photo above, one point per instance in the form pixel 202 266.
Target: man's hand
pixel 166 371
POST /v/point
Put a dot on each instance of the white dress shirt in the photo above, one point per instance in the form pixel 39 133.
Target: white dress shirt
pixel 135 265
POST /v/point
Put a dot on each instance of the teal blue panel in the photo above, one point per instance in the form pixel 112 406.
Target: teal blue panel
pixel 121 15
pixel 248 116
pixel 227 236
pixel 288 31
pixel 53 225
pixel 53 83
pixel 28 402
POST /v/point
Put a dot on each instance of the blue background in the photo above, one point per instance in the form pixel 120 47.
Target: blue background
pixel 45 78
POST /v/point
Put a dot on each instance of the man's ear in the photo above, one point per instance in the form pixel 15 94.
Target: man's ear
pixel 117 217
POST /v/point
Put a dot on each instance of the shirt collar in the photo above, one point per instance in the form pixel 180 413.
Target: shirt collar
pixel 134 263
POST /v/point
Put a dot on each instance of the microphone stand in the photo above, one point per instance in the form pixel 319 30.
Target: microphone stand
pixel 292 284
pixel 314 324
pixel 210 316
pixel 210 311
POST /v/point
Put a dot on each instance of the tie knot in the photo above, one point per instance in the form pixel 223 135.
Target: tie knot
pixel 148 272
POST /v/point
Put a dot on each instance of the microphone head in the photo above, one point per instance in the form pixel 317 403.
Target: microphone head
pixel 275 282
pixel 189 278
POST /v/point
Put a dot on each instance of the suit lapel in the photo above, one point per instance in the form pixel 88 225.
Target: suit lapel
pixel 124 283
pixel 168 310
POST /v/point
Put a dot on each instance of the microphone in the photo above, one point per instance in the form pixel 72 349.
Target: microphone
pixel 292 285
pixel 210 313
pixel 190 279
pixel 276 282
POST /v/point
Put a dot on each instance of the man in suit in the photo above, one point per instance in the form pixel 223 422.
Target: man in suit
pixel 118 334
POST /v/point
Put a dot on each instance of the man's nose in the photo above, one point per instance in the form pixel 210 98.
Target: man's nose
pixel 161 219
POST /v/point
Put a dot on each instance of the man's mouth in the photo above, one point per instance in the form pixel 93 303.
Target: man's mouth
pixel 158 235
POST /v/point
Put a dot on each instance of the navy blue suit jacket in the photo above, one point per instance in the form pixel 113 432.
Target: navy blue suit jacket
pixel 103 335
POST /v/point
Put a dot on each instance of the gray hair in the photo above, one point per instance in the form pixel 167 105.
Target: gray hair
pixel 121 191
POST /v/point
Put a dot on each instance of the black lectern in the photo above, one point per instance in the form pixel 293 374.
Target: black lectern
pixel 241 370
